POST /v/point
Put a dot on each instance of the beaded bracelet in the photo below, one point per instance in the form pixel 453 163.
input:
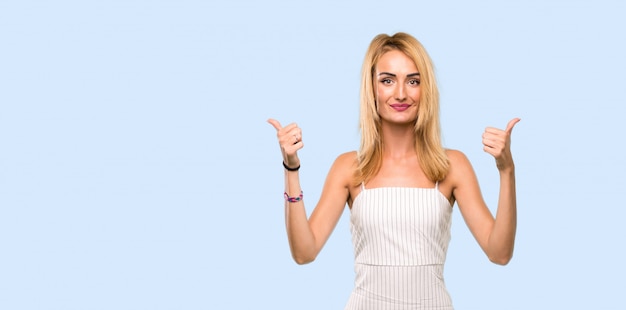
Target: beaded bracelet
pixel 293 199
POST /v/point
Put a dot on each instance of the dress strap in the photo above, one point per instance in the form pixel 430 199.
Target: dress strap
pixel 437 185
pixel 362 186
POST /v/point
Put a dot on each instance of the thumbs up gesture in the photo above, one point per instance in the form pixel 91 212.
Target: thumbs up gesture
pixel 290 141
pixel 497 142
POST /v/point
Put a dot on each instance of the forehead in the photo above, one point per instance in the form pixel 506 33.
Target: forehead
pixel 395 61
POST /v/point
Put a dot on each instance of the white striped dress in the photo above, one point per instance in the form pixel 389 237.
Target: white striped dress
pixel 400 237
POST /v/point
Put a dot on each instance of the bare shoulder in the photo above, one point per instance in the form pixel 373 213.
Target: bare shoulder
pixel 461 170
pixel 342 170
pixel 456 158
pixel 348 158
pixel 460 166
pixel 345 162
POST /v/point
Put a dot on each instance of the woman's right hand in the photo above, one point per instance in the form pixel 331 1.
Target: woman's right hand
pixel 290 141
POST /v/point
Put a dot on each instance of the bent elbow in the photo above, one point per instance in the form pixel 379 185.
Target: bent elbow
pixel 303 260
pixel 501 260
pixel 303 255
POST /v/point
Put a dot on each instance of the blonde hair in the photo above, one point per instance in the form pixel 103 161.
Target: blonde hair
pixel 430 152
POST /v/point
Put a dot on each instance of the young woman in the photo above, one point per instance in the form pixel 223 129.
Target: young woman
pixel 400 186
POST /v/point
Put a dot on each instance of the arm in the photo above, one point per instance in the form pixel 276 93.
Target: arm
pixel 308 236
pixel 496 236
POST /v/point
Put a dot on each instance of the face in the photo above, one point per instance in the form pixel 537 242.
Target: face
pixel 397 84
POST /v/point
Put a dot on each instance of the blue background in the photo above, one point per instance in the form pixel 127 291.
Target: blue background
pixel 137 170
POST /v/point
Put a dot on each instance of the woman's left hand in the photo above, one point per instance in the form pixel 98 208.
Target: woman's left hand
pixel 497 142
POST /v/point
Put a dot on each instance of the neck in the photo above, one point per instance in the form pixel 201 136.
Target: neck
pixel 399 141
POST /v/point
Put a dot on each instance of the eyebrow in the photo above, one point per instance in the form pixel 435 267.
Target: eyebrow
pixel 391 74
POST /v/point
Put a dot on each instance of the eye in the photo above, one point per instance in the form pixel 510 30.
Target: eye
pixel 414 82
pixel 386 81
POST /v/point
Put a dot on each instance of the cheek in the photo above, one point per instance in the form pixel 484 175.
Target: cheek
pixel 382 94
pixel 416 94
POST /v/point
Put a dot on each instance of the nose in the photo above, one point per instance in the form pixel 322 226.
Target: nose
pixel 400 93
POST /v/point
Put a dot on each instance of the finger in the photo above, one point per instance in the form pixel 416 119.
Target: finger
pixel 494 135
pixel 511 124
pixel 293 131
pixel 275 124
pixel 294 147
pixel 489 150
pixel 290 128
pixel 289 135
pixel 493 132
pixel 493 144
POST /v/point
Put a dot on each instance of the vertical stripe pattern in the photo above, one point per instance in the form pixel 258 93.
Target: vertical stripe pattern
pixel 400 237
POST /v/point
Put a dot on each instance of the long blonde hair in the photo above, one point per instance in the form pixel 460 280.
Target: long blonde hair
pixel 430 152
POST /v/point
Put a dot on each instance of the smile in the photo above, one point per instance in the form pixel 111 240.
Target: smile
pixel 400 106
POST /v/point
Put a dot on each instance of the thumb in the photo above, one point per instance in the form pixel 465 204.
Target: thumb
pixel 511 124
pixel 275 124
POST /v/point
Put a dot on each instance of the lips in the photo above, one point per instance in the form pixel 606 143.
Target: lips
pixel 400 106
